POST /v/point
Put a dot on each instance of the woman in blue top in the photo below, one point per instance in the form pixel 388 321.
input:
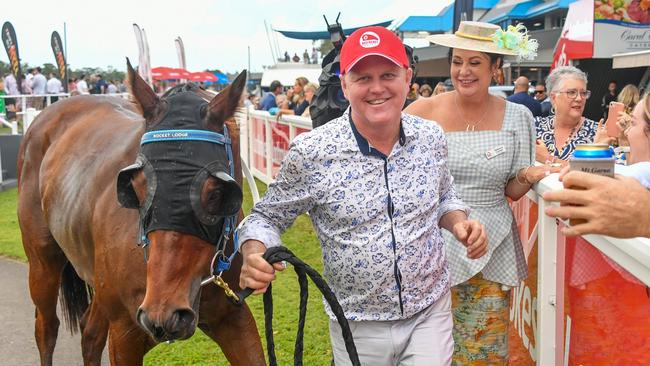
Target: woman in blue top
pixel 559 133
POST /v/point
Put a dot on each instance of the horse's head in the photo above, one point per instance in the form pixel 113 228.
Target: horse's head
pixel 184 188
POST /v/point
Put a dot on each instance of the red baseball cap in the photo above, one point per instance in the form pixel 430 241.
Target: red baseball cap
pixel 369 41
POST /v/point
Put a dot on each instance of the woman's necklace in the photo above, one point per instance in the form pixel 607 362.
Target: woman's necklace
pixel 471 127
pixel 557 151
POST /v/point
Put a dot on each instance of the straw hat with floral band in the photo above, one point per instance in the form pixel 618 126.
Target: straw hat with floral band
pixel 490 38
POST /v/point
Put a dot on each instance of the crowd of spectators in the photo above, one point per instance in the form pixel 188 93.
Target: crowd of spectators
pixel 277 101
pixel 41 88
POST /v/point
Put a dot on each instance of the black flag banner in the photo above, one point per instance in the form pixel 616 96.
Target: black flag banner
pixel 11 46
pixel 57 48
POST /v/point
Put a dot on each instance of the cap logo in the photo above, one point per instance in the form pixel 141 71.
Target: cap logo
pixel 369 39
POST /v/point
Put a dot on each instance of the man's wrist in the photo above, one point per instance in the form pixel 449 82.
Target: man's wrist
pixel 252 246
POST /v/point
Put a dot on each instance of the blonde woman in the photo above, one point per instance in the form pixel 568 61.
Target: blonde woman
pixel 440 88
pixel 297 104
pixel 629 96
pixel 310 90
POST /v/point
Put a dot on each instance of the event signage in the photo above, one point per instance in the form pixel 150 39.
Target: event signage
pixel 11 46
pixel 577 37
pixel 623 26
pixel 57 48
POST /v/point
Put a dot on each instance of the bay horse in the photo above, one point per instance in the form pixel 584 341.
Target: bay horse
pixel 79 239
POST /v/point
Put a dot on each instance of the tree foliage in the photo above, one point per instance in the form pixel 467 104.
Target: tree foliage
pixel 108 74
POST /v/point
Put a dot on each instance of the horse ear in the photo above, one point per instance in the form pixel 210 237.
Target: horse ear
pixel 141 91
pixel 224 105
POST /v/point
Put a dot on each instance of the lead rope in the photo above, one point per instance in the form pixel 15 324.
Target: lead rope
pixel 278 254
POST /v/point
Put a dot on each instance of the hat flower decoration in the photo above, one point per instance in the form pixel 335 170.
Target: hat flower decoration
pixel 515 38
pixel 490 38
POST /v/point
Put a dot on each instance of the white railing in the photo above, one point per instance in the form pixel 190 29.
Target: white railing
pixel 564 274
pixel 29 113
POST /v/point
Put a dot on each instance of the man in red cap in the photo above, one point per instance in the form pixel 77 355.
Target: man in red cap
pixel 377 187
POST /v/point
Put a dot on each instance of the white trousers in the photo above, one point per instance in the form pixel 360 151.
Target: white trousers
pixel 422 340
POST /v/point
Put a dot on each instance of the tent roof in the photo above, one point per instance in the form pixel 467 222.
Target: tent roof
pixel 526 10
pixel 433 24
pixel 324 34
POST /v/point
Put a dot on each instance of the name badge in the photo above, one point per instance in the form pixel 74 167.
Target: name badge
pixel 495 152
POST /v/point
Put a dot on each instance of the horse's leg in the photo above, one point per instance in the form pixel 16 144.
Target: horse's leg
pixel 94 333
pixel 46 261
pixel 127 343
pixel 236 334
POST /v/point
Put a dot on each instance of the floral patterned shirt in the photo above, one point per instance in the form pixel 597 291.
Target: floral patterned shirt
pixel 546 132
pixel 376 216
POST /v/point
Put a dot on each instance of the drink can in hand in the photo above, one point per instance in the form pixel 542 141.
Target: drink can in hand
pixel 592 158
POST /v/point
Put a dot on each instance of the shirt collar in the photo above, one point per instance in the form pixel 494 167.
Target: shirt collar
pixel 363 144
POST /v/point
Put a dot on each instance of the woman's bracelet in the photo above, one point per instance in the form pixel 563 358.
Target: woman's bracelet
pixel 526 182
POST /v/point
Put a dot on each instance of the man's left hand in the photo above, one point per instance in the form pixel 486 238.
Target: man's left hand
pixel 472 234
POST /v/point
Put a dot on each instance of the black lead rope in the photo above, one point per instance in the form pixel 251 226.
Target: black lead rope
pixel 278 254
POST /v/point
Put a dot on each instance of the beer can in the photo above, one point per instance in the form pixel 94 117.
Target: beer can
pixel 592 158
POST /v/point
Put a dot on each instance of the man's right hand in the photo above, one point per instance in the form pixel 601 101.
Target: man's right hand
pixel 256 272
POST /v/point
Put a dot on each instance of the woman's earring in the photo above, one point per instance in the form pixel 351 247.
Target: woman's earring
pixel 552 109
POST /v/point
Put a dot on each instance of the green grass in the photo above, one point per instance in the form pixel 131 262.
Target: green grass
pixel 200 350
pixel 10 241
pixel 4 130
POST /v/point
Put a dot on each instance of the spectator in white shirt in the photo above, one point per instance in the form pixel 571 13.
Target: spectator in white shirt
pixel 82 85
pixel 38 88
pixel 54 86
pixel 11 88
pixel 111 88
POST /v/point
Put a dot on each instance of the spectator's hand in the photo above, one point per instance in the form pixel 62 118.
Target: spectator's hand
pixel 256 272
pixel 601 134
pixel 472 234
pixel 624 121
pixel 536 173
pixel 615 207
pixel 541 152
pixel 563 172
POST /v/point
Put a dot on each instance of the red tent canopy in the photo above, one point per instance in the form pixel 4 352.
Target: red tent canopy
pixel 202 76
pixel 168 73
